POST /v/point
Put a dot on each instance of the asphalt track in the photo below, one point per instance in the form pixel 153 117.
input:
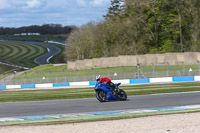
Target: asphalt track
pixel 39 108
pixel 44 59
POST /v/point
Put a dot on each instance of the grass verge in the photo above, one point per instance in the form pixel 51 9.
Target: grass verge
pixel 76 93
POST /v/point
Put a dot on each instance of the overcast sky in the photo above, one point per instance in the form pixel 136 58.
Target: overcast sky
pixel 17 13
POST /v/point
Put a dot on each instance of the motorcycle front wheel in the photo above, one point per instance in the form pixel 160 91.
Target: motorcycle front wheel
pixel 122 94
pixel 101 95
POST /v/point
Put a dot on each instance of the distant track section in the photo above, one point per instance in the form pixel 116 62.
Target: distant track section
pixel 20 53
pixel 52 51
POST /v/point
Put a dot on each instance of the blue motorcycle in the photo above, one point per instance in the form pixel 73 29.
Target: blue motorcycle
pixel 107 93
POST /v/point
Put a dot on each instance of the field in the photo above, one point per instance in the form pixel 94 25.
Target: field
pixel 4 68
pixel 23 54
pixel 37 95
pixel 20 53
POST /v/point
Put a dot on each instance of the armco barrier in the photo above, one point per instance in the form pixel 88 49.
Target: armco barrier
pixel 92 83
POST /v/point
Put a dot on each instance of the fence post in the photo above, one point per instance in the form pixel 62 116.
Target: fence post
pixel 56 79
pixel 183 68
pixel 65 76
pixel 37 77
pixel 50 76
pixel 5 79
pixel 153 70
pixel 199 67
pixel 26 78
pixel 138 70
pixel 108 71
pixel 123 69
pixel 168 69
pixel 14 77
pixel 93 74
pixel 77 75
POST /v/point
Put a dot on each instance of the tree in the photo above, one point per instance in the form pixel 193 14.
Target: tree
pixel 192 8
pixel 80 43
pixel 166 21
pixel 115 9
pixel 134 24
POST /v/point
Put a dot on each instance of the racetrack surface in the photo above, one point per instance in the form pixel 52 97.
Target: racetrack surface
pixel 44 59
pixel 36 108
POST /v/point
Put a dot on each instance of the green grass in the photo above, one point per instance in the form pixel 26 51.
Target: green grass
pixel 20 53
pixel 61 74
pixel 23 54
pixel 89 92
pixel 58 70
pixel 4 68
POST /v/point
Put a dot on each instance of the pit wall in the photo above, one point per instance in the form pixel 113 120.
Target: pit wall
pixel 92 83
pixel 186 58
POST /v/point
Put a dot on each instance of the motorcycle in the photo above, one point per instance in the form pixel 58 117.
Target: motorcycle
pixel 107 93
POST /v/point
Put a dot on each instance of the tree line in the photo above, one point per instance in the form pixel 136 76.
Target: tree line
pixel 45 29
pixel 133 27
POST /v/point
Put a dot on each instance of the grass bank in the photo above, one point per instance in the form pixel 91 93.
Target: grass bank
pixel 24 54
pixel 20 53
pixel 60 73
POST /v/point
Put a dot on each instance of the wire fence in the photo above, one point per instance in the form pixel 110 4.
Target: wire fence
pixel 122 72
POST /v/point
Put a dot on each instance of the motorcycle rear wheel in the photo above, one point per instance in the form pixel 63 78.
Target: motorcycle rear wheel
pixel 101 96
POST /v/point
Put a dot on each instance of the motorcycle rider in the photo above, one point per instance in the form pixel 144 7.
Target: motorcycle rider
pixel 105 80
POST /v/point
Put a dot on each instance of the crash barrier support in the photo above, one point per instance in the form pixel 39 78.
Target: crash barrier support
pixel 92 83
